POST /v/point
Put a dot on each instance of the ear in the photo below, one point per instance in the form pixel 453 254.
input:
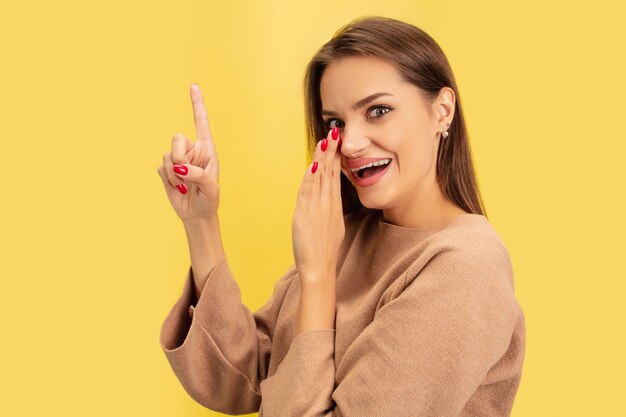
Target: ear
pixel 443 108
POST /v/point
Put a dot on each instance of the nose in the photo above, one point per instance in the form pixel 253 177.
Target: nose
pixel 353 142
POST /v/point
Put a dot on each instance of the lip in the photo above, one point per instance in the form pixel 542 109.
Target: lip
pixel 366 182
pixel 357 163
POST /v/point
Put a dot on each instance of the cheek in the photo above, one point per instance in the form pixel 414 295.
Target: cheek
pixel 416 157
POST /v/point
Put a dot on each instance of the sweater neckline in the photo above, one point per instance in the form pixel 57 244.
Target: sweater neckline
pixel 386 243
pixel 390 228
pixel 394 241
pixel 389 231
pixel 459 219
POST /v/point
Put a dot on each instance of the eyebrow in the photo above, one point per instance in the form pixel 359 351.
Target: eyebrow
pixel 358 104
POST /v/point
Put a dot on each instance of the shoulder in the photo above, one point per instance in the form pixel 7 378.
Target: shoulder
pixel 471 242
pixel 468 255
pixel 474 241
pixel 466 272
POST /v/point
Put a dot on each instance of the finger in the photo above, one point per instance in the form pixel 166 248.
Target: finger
pixel 203 152
pixel 314 169
pixel 337 158
pixel 326 185
pixel 335 183
pixel 326 150
pixel 199 176
pixel 171 191
pixel 181 145
pixel 318 169
pixel 200 117
pixel 308 180
pixel 168 164
pixel 334 140
pixel 324 180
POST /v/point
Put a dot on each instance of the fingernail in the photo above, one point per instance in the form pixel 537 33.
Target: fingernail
pixel 324 145
pixel 335 133
pixel 180 169
pixel 182 188
pixel 314 167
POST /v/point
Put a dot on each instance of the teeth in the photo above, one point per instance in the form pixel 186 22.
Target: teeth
pixel 373 164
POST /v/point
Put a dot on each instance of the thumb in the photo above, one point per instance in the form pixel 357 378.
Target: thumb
pixel 196 175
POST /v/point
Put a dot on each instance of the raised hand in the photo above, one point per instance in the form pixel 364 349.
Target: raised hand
pixel 318 227
pixel 190 171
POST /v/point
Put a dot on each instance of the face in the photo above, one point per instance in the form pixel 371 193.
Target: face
pixel 399 126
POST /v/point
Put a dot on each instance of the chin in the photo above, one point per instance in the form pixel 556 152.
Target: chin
pixel 378 201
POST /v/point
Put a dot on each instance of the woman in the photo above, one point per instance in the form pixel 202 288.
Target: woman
pixel 400 301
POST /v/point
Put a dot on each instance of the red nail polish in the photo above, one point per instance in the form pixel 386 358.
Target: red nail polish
pixel 324 145
pixel 335 133
pixel 180 169
pixel 314 167
pixel 182 188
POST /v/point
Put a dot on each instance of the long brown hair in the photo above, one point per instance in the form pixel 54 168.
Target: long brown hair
pixel 421 62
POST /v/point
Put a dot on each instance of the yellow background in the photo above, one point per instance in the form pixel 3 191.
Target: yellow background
pixel 93 256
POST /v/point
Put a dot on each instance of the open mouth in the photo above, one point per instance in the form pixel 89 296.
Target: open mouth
pixel 370 171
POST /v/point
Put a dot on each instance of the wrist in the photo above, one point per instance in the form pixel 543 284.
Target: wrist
pixel 196 223
pixel 318 277
pixel 316 306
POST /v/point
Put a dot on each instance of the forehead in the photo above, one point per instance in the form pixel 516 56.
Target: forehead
pixel 353 78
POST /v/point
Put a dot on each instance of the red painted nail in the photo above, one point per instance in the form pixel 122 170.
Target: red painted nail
pixel 314 167
pixel 335 133
pixel 180 169
pixel 324 145
pixel 182 188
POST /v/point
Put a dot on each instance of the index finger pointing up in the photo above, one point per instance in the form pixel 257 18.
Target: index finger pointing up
pixel 203 131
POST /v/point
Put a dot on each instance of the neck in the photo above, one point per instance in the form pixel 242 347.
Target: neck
pixel 427 209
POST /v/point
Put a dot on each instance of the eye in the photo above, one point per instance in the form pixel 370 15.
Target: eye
pixel 376 110
pixel 329 123
pixel 379 107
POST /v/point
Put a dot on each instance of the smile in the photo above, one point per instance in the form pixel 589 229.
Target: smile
pixel 370 179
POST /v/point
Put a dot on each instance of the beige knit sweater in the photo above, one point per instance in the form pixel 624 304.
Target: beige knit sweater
pixel 427 324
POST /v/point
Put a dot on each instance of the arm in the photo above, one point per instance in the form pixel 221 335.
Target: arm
pixel 316 305
pixel 304 380
pixel 426 352
pixel 219 350
pixel 205 248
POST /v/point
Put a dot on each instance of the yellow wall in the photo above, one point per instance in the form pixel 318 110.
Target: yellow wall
pixel 93 256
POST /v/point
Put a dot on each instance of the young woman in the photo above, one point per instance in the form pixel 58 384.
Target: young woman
pixel 400 301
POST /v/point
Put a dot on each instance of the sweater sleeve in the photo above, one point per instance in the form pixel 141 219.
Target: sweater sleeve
pixel 217 348
pixel 425 353
pixel 304 381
